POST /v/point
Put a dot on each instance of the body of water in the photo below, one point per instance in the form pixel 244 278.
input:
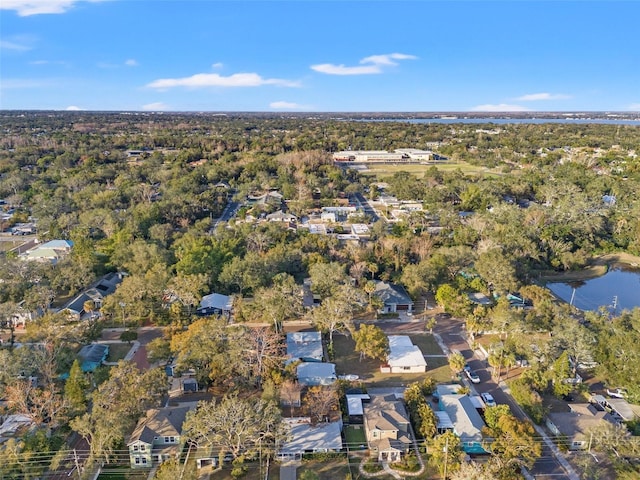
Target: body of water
pixel 621 287
pixel 505 121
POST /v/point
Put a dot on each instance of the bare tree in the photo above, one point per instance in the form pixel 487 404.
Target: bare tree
pixel 319 402
pixel 290 394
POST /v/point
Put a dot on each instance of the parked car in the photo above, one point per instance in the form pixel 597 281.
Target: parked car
pixel 473 376
pixel 488 400
pixel 617 393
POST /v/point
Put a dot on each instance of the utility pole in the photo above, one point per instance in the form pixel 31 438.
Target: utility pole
pixel 573 295
pixel 590 441
pixel 75 458
pixel 446 457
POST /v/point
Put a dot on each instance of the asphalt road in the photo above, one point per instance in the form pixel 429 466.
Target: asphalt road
pixel 366 206
pixel 451 332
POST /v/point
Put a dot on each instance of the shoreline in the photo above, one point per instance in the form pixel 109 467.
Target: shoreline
pixel 596 267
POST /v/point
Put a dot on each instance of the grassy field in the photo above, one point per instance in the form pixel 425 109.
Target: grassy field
pixel 348 361
pixel 382 170
pixel 117 351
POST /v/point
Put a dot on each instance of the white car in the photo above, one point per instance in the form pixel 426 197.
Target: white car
pixel 473 376
pixel 488 400
pixel 617 393
pixel 350 378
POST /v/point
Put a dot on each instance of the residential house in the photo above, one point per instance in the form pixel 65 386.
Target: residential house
pixel 92 356
pixel 316 373
pixel 157 437
pixel 578 423
pixel 404 356
pixel 51 252
pixel 305 346
pixel 75 308
pixel 465 419
pixel 304 437
pixel 387 428
pixel 272 198
pixel 216 304
pixel 394 297
pixel 619 408
pixel 280 216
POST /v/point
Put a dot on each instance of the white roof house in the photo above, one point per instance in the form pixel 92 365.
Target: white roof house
pixel 404 356
pixel 316 373
pixel 51 251
pixel 307 438
pixel 305 346
pixel 467 422
pixel 215 303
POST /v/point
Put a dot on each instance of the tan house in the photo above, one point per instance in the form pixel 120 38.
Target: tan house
pixel 387 428
pixel 578 423
pixel 157 437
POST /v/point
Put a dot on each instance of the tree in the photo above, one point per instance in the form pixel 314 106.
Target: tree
pixel 213 349
pixel 158 349
pixel 514 443
pixel 290 393
pixel 445 453
pixel 280 302
pixel 371 342
pixel 457 362
pixel 129 336
pixel 263 352
pixel 239 426
pixel 560 374
pixel 335 313
pixel 320 402
pixel 172 469
pixel 117 404
pixel 75 389
pixel 326 278
pixel 428 422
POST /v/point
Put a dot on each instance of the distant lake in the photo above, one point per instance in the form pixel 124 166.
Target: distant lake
pixel 505 121
pixel 600 291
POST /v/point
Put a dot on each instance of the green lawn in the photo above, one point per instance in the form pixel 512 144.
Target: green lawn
pixel 122 472
pixel 382 170
pixel 354 437
pixel 117 351
pixel 427 344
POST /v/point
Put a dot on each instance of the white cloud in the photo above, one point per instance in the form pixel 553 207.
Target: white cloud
pixel 131 62
pixel 534 97
pixel 500 107
pixel 156 106
pixel 282 105
pixel 20 83
pixel 371 65
pixel 634 107
pixel 73 108
pixel 217 65
pixel 26 8
pixel 48 62
pixel 18 47
pixel 201 80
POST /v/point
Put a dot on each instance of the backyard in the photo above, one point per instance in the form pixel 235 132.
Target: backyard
pixel 117 351
pixel 348 361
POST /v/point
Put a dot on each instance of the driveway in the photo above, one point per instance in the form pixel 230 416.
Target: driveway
pixel 453 336
pixel 288 470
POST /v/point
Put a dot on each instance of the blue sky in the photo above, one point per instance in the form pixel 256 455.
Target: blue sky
pixel 211 55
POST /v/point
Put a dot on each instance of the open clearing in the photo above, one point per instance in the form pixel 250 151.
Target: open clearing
pixel 419 170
